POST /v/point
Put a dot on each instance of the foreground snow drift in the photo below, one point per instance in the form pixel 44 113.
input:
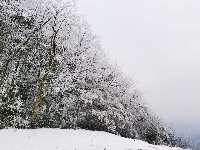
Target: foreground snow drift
pixel 61 139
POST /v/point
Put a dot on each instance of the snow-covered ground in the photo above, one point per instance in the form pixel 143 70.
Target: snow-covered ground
pixel 65 139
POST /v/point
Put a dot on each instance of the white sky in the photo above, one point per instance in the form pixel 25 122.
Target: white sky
pixel 158 43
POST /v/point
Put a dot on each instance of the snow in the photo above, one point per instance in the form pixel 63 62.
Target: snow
pixel 68 139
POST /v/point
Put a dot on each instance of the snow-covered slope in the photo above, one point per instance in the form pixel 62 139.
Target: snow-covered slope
pixel 61 139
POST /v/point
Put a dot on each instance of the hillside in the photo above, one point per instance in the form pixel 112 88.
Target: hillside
pixel 54 73
pixel 67 139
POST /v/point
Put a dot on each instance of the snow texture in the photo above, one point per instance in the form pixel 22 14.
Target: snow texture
pixel 68 139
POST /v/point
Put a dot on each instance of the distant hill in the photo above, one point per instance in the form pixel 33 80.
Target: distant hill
pixel 196 139
pixel 189 132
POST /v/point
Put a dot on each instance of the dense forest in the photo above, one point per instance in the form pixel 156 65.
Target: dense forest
pixel 54 74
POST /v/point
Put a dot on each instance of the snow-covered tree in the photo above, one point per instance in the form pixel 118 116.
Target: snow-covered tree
pixel 29 49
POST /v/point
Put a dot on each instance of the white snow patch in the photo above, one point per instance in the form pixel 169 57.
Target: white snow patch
pixel 68 139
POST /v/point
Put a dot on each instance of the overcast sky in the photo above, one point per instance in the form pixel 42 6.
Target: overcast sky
pixel 156 42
